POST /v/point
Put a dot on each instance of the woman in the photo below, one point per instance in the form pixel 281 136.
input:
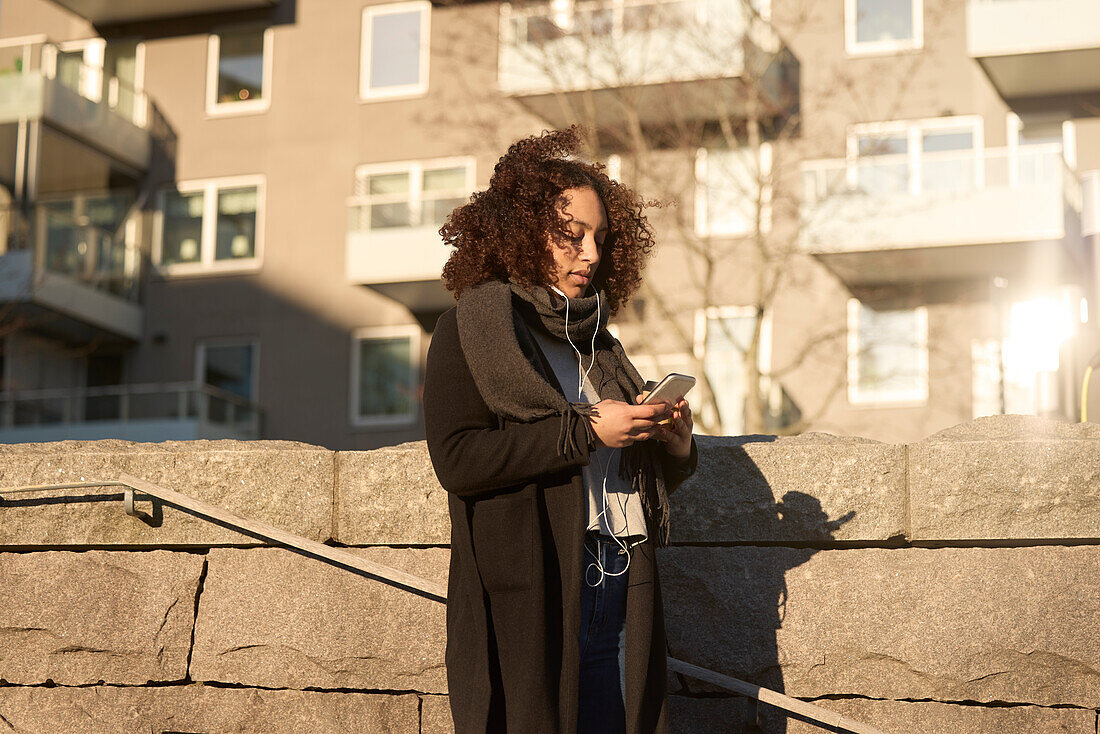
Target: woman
pixel 557 480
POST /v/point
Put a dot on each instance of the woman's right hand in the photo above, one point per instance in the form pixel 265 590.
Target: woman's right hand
pixel 618 424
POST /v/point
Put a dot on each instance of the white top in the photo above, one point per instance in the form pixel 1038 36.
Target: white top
pixel 613 506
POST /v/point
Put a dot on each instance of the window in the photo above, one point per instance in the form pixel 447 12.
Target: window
pixel 238 71
pixel 722 336
pixel 231 368
pixel 210 226
pixel 883 26
pixel 412 194
pixel 887 354
pixel 916 156
pixel 393 59
pixel 729 187
pixel 385 376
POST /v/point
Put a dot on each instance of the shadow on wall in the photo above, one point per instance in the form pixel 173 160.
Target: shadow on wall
pixel 748 581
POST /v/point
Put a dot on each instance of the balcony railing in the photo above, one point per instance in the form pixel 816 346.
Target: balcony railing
pixel 546 47
pixel 210 411
pixel 37 77
pixel 953 197
pixel 28 55
pixel 82 238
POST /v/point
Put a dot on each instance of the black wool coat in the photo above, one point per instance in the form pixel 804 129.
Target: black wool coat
pixel 518 515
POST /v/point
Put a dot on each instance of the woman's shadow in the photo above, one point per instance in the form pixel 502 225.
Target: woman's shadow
pixel 749 582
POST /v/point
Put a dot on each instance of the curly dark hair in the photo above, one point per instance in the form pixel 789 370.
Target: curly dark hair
pixel 502 232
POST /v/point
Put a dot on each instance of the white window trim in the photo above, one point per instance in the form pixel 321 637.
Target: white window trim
pixel 384 332
pixel 207 264
pixel 420 88
pixel 242 107
pixel 702 223
pixel 914 130
pixel 886 398
pixel 763 356
pixel 702 315
pixel 415 169
pixel 876 48
pixel 229 341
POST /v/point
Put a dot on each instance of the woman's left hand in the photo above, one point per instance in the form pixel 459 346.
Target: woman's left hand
pixel 676 433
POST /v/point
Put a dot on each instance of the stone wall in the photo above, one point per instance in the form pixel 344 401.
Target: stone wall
pixel 948 585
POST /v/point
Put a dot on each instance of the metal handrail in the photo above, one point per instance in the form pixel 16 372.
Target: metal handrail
pixel 429 589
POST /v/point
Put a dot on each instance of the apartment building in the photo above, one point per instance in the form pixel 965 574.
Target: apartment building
pixel 221 217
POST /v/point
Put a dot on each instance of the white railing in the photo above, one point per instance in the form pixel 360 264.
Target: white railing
pixel 947 172
pixel 129 403
pixel 593 44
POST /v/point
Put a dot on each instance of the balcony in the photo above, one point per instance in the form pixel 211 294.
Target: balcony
pixel 70 269
pixel 394 216
pixel 1034 48
pixel 943 216
pixel 100 12
pixel 168 412
pixel 39 82
pixel 633 50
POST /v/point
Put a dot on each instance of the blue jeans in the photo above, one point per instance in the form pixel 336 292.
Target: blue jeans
pixel 602 709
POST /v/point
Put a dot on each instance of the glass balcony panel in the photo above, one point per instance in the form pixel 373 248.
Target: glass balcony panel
pixel 66 245
pixel 397 214
pixel 38 411
pixel 541 29
pixel 882 178
pixel 436 211
pixel 102 407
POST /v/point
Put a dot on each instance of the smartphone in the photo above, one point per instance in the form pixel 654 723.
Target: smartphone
pixel 670 389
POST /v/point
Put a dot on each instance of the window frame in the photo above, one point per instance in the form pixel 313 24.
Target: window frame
pixel 914 130
pixel 214 108
pixel 881 48
pixel 703 317
pixel 415 169
pixel 870 398
pixel 414 333
pixel 206 264
pixel 201 345
pixel 405 91
pixel 703 226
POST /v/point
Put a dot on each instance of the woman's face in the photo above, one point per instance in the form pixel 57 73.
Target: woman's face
pixel 575 261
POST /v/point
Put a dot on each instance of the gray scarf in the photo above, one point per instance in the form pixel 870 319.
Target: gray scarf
pixel 494 328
